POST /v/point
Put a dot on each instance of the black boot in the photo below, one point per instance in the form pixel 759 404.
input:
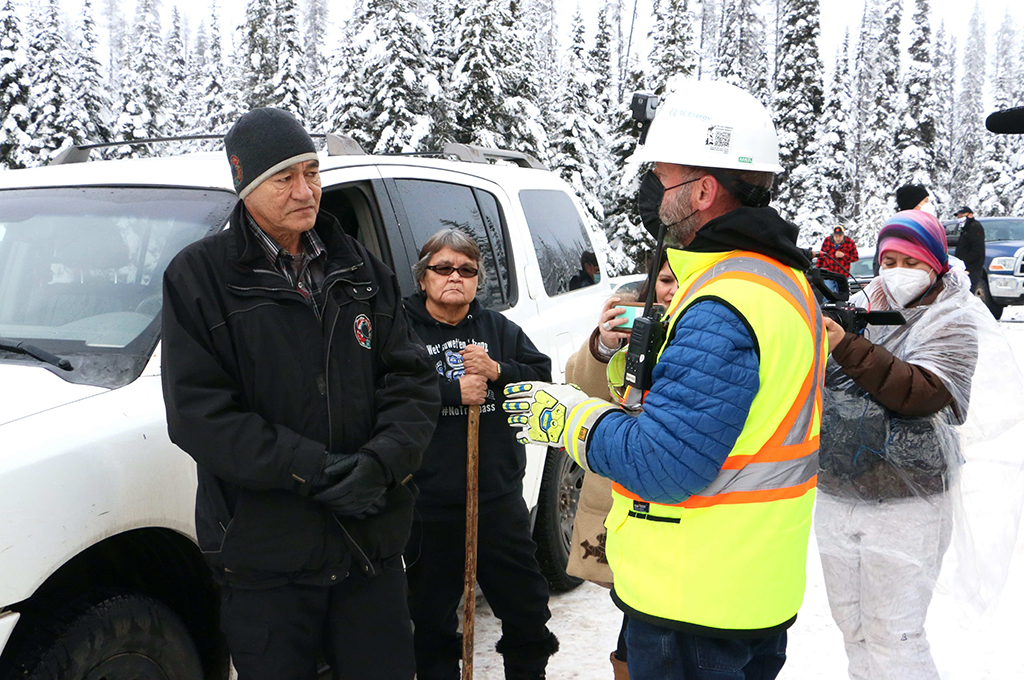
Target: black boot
pixel 439 660
pixel 527 661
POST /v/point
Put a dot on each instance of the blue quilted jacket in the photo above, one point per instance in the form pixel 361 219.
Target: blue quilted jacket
pixel 704 384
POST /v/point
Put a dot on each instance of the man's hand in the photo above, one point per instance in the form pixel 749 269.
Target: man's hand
pixel 539 410
pixel 356 485
pixel 840 253
pixel 476 361
pixel 473 388
pixel 835 333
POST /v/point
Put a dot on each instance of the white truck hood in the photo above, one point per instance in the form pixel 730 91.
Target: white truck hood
pixel 27 390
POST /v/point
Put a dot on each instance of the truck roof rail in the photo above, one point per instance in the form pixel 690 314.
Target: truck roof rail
pixel 337 145
pixel 483 154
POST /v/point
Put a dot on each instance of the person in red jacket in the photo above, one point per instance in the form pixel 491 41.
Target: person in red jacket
pixel 837 253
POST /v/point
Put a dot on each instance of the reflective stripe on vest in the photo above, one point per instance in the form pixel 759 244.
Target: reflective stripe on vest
pixel 733 556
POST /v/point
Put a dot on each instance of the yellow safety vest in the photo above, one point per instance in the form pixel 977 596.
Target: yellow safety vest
pixel 733 556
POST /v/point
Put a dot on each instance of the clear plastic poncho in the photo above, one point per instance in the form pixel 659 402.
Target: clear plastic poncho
pixel 881 461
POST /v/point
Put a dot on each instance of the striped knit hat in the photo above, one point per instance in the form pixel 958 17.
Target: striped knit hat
pixel 916 234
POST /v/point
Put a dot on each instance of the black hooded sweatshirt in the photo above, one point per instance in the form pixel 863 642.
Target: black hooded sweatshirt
pixel 442 477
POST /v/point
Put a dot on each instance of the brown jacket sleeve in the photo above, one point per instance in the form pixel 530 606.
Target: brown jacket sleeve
pixel 902 387
pixel 587 371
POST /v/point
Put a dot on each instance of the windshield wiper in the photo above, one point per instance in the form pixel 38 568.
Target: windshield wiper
pixel 36 353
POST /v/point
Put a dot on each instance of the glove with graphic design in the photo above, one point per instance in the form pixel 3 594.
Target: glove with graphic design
pixel 559 415
pixel 540 410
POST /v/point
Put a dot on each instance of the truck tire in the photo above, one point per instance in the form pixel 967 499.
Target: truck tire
pixel 981 291
pixel 115 636
pixel 556 511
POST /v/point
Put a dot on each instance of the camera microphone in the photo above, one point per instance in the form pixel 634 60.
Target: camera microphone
pixel 1006 122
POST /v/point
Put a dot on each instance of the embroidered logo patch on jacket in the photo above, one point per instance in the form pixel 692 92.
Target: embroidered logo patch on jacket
pixel 363 330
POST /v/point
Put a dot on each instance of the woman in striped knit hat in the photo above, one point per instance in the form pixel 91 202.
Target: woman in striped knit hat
pixel 893 400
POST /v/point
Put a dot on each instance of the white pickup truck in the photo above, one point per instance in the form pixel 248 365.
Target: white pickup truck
pixel 101 576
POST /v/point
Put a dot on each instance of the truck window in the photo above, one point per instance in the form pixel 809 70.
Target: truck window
pixel 432 206
pixel 559 236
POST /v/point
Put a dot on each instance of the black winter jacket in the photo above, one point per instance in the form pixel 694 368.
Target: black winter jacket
pixel 971 246
pixel 442 479
pixel 257 389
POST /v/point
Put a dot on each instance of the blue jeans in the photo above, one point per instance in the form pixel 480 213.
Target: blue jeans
pixel 657 653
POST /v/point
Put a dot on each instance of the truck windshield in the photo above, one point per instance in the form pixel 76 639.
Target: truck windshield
pixel 1003 230
pixel 81 271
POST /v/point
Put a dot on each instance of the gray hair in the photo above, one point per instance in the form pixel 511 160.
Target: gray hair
pixel 448 238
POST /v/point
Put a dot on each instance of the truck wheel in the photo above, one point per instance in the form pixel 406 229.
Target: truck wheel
pixel 112 637
pixel 556 511
pixel 981 291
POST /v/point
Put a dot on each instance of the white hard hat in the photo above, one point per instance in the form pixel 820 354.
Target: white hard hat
pixel 711 124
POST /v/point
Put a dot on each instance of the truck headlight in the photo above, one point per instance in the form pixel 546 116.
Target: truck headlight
pixel 1001 264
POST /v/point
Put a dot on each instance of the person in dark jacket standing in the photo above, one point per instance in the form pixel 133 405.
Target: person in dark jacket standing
pixel 475 352
pixel 971 246
pixel 292 377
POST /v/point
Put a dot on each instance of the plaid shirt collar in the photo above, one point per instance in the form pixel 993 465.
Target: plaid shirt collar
pixel 312 248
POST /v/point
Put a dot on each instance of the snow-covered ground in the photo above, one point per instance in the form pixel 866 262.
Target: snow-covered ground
pixel 587 623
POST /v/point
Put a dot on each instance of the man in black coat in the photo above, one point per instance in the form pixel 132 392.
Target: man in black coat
pixel 971 246
pixel 291 376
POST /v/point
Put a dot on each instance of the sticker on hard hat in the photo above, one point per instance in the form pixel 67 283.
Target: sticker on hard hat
pixel 745 159
pixel 718 139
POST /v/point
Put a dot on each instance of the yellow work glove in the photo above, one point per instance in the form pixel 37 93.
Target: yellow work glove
pixel 554 415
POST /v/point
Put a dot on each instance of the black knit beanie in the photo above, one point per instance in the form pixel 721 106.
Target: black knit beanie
pixel 263 142
pixel 909 195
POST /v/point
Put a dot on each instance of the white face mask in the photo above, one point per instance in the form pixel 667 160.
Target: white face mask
pixel 929 208
pixel 905 285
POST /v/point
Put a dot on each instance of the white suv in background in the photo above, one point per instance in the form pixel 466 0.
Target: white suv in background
pixel 101 574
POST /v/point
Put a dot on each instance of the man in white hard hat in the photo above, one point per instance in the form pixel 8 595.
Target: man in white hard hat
pixel 715 478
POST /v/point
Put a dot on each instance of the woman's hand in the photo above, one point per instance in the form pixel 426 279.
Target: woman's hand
pixel 473 388
pixel 476 361
pixel 607 324
pixel 836 333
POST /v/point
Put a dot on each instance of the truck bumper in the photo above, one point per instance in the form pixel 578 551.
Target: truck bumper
pixel 7 621
pixel 1006 290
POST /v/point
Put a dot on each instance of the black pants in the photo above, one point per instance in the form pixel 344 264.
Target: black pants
pixel 361 626
pixel 507 571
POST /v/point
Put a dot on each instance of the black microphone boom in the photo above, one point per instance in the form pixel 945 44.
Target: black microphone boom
pixel 1006 122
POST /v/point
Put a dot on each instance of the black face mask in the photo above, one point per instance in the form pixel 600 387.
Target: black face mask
pixel 648 202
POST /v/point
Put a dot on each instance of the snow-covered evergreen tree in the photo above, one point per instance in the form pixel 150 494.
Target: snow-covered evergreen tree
pixel 603 63
pixel 258 54
pixel 944 73
pixel 997 193
pixel 216 104
pixel 878 144
pixel 797 104
pixel 117 31
pixel 673 44
pixel 711 20
pixel 343 95
pixel 970 115
pixel 916 142
pixel 91 91
pixel 742 59
pixel 290 89
pixel 396 69
pixel 440 64
pixel 831 159
pixel 629 242
pixel 15 82
pixel 315 25
pixel 56 117
pixel 176 62
pixel 578 142
pixel 144 97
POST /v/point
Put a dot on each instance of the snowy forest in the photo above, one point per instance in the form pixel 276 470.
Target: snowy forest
pixel 408 75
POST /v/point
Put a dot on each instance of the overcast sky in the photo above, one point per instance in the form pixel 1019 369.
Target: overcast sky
pixel 836 16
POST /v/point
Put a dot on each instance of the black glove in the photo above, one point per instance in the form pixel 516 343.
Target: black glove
pixel 357 485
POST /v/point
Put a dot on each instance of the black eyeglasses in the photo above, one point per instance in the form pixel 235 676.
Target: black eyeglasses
pixel 465 271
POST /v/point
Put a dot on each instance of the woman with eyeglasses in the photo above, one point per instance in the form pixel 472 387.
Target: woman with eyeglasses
pixel 476 353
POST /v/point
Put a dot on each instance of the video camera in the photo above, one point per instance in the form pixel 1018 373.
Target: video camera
pixel 833 293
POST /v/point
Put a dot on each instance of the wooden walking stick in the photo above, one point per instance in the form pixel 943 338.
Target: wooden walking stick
pixel 472 510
